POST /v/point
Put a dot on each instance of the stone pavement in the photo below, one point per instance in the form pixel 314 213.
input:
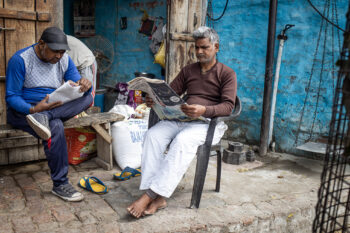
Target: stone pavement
pixel 276 194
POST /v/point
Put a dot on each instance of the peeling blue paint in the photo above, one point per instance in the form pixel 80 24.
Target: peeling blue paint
pixel 131 48
pixel 243 33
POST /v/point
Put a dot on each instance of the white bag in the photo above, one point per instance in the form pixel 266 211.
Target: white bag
pixel 124 110
pixel 127 142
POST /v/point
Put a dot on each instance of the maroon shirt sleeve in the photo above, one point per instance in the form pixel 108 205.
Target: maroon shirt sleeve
pixel 228 97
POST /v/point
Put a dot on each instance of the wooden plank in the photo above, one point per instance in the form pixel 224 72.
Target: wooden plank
pixel 185 16
pixel 41 152
pixel 96 118
pixel 23 154
pixel 43 17
pixel 181 36
pixel 176 55
pixel 179 16
pixel 4 158
pixel 16 142
pixel 15 14
pixel 194 14
pixel 24 35
pixel 104 150
pixel 178 59
pixel 191 53
pixel 102 132
pixel 195 9
pixel 2 73
pixel 6 129
pixel 18 133
pixel 53 7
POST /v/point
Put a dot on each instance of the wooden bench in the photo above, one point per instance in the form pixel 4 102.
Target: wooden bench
pixel 18 146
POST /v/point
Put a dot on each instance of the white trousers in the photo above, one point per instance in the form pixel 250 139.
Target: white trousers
pixel 163 172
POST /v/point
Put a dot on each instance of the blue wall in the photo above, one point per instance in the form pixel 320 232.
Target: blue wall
pixel 133 53
pixel 243 31
pixel 131 48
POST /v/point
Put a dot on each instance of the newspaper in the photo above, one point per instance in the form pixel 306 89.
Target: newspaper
pixel 167 104
pixel 65 93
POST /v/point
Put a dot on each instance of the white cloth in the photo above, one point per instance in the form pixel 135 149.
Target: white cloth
pixel 162 172
pixel 80 53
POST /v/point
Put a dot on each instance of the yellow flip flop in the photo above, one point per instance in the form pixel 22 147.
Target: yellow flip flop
pixel 93 184
pixel 127 173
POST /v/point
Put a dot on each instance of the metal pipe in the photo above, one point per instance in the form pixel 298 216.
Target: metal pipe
pixel 265 120
pixel 282 37
pixel 275 87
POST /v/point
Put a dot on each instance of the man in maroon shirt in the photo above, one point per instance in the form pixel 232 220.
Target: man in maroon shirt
pixel 211 89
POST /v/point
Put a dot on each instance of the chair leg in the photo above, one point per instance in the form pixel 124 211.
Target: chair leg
pixel 201 171
pixel 202 165
pixel 218 171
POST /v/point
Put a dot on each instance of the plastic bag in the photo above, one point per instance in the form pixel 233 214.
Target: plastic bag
pixel 127 142
pixel 159 57
pixel 124 110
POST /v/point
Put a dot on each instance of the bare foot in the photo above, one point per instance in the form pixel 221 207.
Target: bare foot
pixel 137 208
pixel 156 204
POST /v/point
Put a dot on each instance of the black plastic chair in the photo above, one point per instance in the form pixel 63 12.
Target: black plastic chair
pixel 203 153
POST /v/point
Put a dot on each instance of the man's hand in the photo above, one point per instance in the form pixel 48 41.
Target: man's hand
pixel 43 105
pixel 149 101
pixel 193 110
pixel 85 84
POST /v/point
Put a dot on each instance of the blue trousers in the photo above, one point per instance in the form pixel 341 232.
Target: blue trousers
pixel 56 147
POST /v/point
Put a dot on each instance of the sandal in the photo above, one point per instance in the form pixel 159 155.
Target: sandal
pixel 93 184
pixel 127 173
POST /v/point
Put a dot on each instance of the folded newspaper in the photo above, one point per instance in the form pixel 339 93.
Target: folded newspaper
pixel 65 93
pixel 167 104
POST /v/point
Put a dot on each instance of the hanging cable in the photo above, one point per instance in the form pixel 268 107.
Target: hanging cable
pixel 210 23
pixel 335 25
pixel 222 14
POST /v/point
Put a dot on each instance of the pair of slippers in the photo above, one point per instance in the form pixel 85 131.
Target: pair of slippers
pixel 95 185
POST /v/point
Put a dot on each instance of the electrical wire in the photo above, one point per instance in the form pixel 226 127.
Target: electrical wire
pixel 222 14
pixel 335 25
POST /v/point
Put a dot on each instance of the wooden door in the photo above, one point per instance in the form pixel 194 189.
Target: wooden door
pixel 22 22
pixel 183 18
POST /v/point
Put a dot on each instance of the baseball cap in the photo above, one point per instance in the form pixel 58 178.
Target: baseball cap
pixel 55 38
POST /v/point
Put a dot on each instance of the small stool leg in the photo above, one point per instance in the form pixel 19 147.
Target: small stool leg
pixel 218 171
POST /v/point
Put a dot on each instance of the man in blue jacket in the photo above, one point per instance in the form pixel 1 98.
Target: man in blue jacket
pixel 33 73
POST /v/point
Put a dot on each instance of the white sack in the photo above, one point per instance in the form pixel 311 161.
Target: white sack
pixel 124 110
pixel 127 142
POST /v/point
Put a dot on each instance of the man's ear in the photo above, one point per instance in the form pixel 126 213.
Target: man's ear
pixel 216 45
pixel 41 44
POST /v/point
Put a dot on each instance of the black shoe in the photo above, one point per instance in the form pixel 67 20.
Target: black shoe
pixel 40 124
pixel 67 192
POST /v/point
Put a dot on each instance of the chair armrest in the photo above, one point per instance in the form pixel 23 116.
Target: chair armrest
pixel 227 118
pixel 235 113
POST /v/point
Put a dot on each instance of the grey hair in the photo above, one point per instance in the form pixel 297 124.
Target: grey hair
pixel 206 32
